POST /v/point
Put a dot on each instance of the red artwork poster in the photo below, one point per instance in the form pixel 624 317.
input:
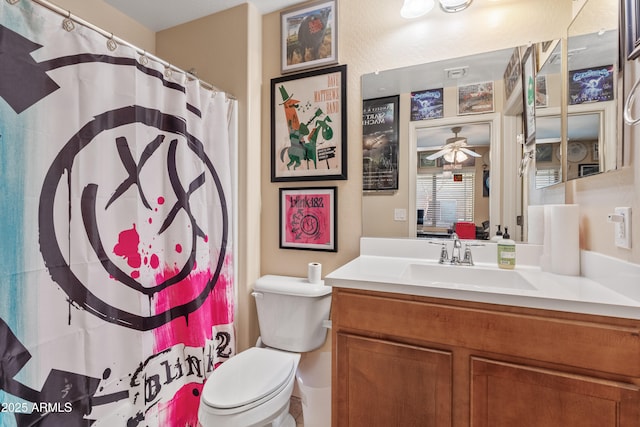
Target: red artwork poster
pixel 307 218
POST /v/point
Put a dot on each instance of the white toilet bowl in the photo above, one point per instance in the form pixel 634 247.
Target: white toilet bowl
pixel 254 387
pixel 250 389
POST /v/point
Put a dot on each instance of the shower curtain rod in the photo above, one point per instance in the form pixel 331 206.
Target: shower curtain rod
pixel 67 14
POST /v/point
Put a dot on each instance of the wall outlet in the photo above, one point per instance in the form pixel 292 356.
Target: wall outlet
pixel 623 228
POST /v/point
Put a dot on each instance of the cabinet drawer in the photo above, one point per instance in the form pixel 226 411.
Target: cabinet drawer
pixel 583 344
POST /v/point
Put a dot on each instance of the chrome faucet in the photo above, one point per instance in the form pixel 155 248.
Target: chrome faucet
pixel 455 251
pixel 444 255
pixel 456 259
pixel 468 259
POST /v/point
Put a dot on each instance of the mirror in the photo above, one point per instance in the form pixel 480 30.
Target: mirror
pixel 392 214
pixel 592 62
pixel 404 212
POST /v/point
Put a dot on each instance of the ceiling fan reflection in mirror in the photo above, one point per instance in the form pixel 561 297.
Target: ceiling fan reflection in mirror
pixel 455 149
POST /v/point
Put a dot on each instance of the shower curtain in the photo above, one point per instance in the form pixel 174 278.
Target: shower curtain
pixel 116 266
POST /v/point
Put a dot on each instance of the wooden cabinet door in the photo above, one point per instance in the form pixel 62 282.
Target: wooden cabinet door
pixel 382 383
pixel 506 395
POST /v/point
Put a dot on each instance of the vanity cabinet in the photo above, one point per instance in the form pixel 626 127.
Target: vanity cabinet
pixel 403 360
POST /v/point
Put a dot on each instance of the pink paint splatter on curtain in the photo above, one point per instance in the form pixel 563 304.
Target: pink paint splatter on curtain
pixel 127 248
pixel 193 331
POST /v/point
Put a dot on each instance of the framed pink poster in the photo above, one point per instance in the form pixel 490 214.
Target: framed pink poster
pixel 308 218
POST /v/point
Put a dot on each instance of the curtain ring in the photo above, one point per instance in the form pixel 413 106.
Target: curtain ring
pixel 67 23
pixel 628 104
pixel 167 71
pixel 143 58
pixel 111 43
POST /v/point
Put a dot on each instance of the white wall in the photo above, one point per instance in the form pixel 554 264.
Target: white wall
pixel 110 19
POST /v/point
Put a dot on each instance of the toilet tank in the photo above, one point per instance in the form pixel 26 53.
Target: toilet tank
pixel 291 311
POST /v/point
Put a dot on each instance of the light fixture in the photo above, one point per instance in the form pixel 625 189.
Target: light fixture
pixel 416 8
pixel 452 6
pixel 455 156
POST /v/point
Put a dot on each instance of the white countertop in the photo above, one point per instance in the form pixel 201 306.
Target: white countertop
pixel 607 286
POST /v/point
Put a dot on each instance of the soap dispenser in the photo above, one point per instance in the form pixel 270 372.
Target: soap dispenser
pixel 506 251
pixel 498 235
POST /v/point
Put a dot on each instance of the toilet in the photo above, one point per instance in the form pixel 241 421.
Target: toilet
pixel 254 387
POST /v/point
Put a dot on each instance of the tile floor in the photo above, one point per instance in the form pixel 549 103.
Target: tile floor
pixel 295 409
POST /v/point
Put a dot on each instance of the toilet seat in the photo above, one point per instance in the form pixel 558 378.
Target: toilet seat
pixel 248 379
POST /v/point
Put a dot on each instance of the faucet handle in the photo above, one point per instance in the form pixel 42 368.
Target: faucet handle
pixel 444 255
pixel 468 258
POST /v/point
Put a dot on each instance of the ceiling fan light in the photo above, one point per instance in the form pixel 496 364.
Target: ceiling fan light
pixel 416 8
pixel 452 6
pixel 461 157
pixel 449 156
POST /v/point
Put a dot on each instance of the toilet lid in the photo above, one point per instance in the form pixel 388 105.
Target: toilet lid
pixel 250 376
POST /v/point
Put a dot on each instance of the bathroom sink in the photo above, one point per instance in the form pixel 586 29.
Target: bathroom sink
pixel 465 276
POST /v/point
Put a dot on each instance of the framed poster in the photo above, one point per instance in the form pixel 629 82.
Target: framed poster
pixel 632 28
pixel 512 73
pixel 529 95
pixel 585 169
pixel 425 162
pixel 308 218
pixel 427 104
pixel 309 36
pixel 591 85
pixel 309 126
pixel 541 91
pixel 475 98
pixel 380 143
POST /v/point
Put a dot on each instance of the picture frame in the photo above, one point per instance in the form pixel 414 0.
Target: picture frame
pixel 585 169
pixel 475 98
pixel 513 73
pixel 593 84
pixel 309 126
pixel 424 162
pixel 631 20
pixel 380 143
pixel 308 218
pixel 309 36
pixel 541 91
pixel 529 94
pixel 427 104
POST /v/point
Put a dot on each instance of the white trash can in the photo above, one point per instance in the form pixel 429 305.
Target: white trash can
pixel 314 383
